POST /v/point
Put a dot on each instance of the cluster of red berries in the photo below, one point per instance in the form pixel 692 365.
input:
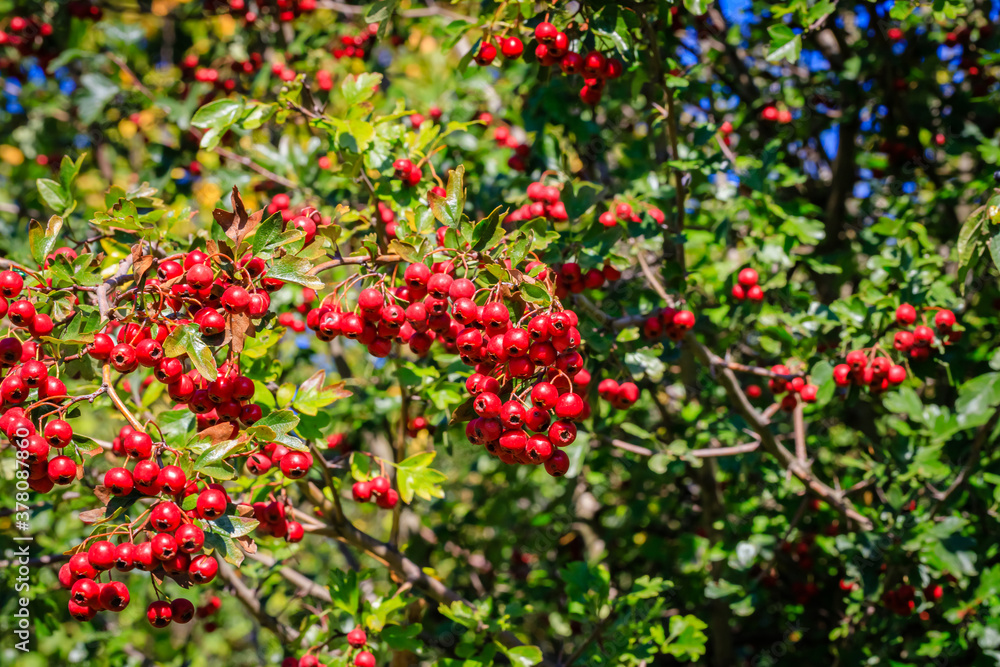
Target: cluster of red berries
pixel 293 464
pixel 622 396
pixel 773 113
pixel 669 322
pixel 21 313
pixel 307 219
pixel 545 203
pixel 357 45
pixel 356 639
pixel 877 375
pixel 504 138
pixel 407 172
pixel 172 550
pixel 190 69
pixel 746 286
pixel 570 278
pixel 498 349
pixel 552 48
pixel 380 320
pixel 794 388
pixel 377 487
pixel 274 521
pixel 624 213
pixel 285 10
pixel 25 32
pixel 919 342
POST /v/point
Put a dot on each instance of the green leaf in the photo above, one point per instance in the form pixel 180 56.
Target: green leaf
pixel 361 466
pixel 415 477
pixel 976 400
pixel 266 234
pixel 344 590
pixel 274 424
pixel 235 526
pixel 68 171
pixel 312 395
pixel 187 340
pixel 402 638
pixel 448 210
pixel 177 427
pixel 294 270
pixel 534 294
pixel 218 113
pixel 226 546
pixel 487 231
pixel 785 44
pixel 43 241
pixel 216 117
pixel 55 196
pixel 219 452
pixel 906 401
pixel 522 656
pixel 686 638
pixel 357 89
pixel 381 11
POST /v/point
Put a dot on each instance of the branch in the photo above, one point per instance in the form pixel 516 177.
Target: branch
pixel 120 276
pixel 249 599
pixel 761 426
pixel 402 567
pixel 108 386
pixel 977 445
pixel 354 261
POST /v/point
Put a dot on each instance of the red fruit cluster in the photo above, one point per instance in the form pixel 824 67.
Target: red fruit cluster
pixel 27 34
pixel 623 396
pixel 21 313
pixel 356 639
pixel 570 278
pixel 623 212
pixel 292 464
pixel 878 375
pixel 899 600
pixel 772 113
pixel 920 341
pixel 377 487
pixel 793 388
pixel 746 286
pixel 669 322
pixel 542 356
pixel 545 203
pixel 357 45
pixel 274 521
pixel 173 549
pixel 552 48
pixel 407 172
pixel 505 138
pixel 225 73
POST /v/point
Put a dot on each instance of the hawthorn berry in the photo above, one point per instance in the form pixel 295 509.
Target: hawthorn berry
pixel 181 610
pixel 159 614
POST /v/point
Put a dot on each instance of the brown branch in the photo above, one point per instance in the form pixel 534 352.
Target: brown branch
pixel 404 569
pixel 716 452
pixel 354 261
pixel 121 275
pixel 761 426
pixel 249 599
pixel 977 445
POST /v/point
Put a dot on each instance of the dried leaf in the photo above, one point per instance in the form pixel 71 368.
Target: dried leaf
pixel 237 224
pixel 217 433
pixel 92 516
pixel 240 327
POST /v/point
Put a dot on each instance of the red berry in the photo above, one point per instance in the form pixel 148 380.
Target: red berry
pixel 211 504
pixel 159 614
pixel 906 314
